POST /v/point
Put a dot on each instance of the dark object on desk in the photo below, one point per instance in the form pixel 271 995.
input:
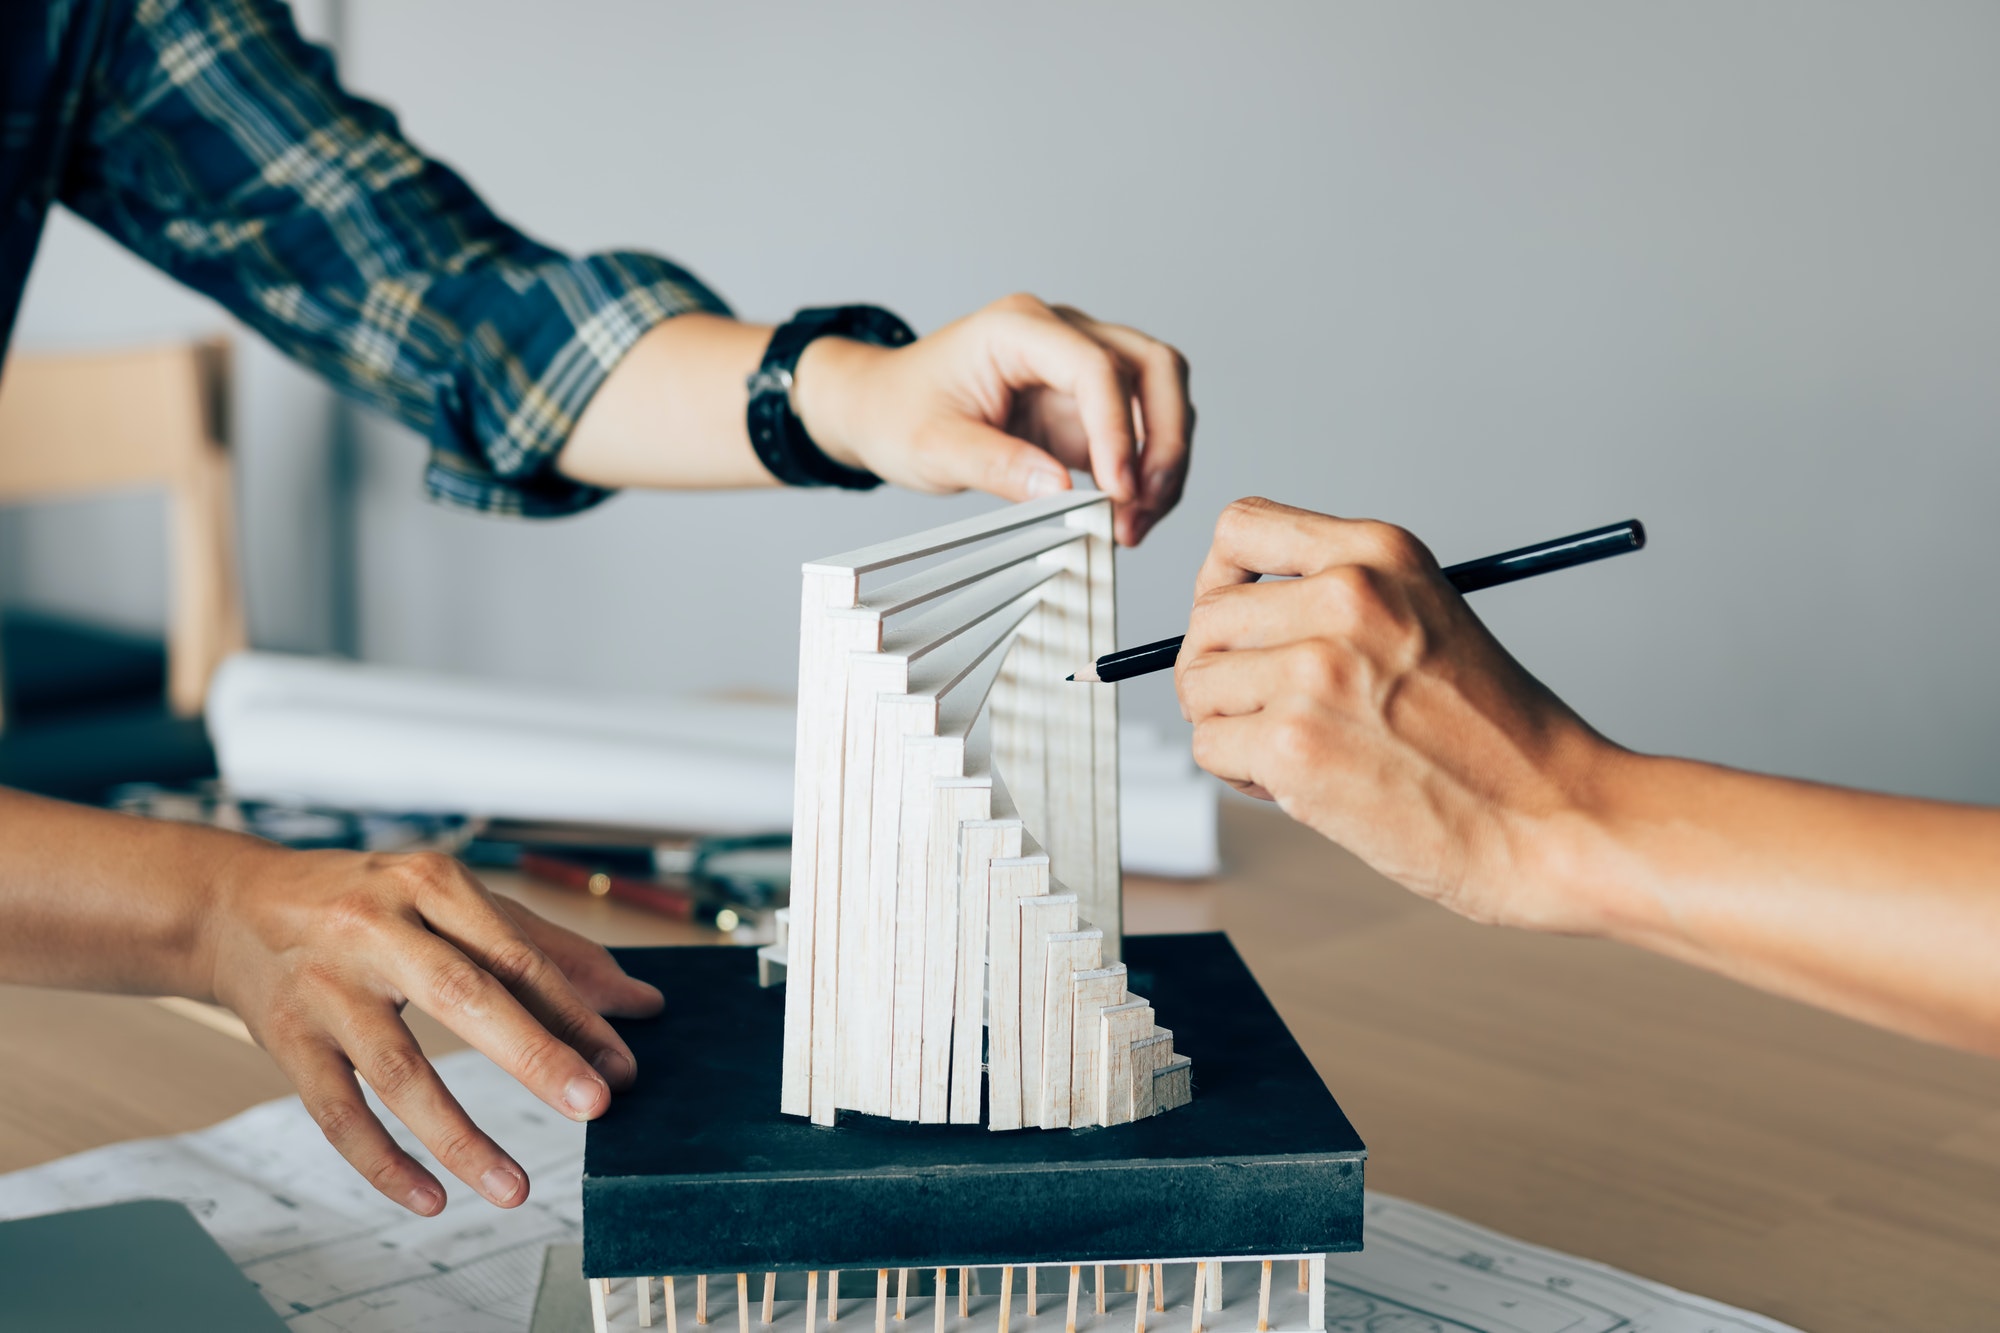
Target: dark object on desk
pixel 1490 571
pixel 56 665
pixel 146 1264
pixel 86 711
pixel 694 1170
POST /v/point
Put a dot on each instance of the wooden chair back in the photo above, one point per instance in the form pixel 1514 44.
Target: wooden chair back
pixel 77 423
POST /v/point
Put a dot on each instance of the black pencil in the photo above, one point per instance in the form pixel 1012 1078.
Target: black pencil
pixel 1577 549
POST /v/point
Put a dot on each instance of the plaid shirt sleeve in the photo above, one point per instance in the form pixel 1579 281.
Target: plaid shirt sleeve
pixel 219 145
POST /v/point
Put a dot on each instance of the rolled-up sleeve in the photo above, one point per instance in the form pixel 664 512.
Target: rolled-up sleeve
pixel 221 148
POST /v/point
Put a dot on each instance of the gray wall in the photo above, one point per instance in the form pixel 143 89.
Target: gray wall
pixel 1492 272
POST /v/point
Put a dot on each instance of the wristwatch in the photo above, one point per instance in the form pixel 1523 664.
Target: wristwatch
pixel 780 438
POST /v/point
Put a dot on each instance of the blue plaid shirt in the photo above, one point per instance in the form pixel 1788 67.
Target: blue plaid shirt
pixel 214 141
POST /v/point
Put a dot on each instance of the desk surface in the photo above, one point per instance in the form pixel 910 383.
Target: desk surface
pixel 1569 1092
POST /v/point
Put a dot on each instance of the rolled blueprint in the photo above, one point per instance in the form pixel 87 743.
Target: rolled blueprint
pixel 359 736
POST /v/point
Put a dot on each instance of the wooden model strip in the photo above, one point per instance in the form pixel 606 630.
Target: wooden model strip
pixel 1103 904
pixel 1094 991
pixel 972 616
pixel 897 721
pixel 818 733
pixel 979 527
pixel 1072 807
pixel 1173 1084
pixel 977 595
pixel 1119 1025
pixel 1020 722
pixel 864 949
pixel 1013 879
pixel 795 1089
pixel 850 633
pixel 954 802
pixel 1147 1055
pixel 925 758
pixel 1040 918
pixel 927 585
pixel 1068 953
pixel 981 842
pixel 942 673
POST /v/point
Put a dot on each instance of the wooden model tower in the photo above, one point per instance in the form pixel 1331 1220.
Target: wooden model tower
pixel 955 906
pixel 953 954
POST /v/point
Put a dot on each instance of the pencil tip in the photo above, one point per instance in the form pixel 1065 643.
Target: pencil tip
pixel 1088 675
pixel 1070 676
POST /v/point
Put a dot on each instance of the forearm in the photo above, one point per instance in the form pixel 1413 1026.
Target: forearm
pixel 1883 908
pixel 99 901
pixel 1365 698
pixel 672 412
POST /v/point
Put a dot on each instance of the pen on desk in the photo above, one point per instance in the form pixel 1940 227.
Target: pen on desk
pixel 1578 548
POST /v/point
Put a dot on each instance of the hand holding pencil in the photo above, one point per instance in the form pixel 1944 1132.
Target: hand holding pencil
pixel 1366 699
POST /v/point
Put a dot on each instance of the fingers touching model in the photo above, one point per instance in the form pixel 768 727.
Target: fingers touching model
pixel 1006 400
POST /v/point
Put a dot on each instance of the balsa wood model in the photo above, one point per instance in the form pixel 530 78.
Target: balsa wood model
pixel 955 907
pixel 952 954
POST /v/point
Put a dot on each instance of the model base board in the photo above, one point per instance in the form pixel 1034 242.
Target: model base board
pixel 695 1169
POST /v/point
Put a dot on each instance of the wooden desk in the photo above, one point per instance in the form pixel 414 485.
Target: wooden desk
pixel 1568 1092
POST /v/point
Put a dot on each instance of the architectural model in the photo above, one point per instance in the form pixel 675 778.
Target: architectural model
pixel 955 907
pixel 952 957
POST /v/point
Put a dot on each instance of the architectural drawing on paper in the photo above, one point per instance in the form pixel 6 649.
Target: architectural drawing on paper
pixel 955 907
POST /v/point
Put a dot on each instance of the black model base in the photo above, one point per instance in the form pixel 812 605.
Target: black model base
pixel 695 1171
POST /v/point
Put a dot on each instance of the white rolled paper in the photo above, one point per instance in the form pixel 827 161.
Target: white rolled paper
pixel 359 736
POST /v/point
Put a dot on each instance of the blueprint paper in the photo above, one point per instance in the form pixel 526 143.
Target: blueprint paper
pixel 332 1256
pixel 329 1253
pixel 1422 1271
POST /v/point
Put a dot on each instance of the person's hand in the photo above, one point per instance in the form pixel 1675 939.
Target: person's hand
pixel 319 951
pixel 1005 401
pixel 1366 699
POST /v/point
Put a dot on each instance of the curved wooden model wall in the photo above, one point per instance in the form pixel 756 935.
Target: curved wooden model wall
pixel 955 904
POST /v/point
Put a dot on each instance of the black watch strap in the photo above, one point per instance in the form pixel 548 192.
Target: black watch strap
pixel 776 432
